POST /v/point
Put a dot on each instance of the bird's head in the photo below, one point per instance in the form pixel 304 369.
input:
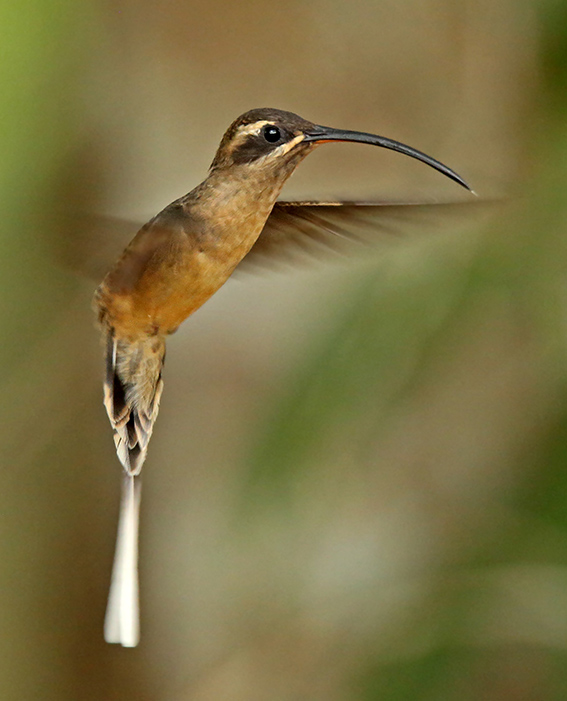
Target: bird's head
pixel 266 141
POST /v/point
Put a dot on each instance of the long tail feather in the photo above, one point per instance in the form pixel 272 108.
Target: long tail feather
pixel 132 390
pixel 122 620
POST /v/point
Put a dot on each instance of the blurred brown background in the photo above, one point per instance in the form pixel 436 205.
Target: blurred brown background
pixel 356 487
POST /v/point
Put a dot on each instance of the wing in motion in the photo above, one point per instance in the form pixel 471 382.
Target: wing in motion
pixel 296 231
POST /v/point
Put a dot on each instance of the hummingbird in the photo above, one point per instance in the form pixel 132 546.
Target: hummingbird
pixel 177 261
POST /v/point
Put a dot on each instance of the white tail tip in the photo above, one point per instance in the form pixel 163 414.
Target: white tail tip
pixel 122 620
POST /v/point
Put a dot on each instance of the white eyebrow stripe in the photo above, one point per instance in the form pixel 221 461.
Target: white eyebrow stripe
pixel 253 128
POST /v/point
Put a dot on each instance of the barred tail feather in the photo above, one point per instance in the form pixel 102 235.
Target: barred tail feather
pixel 132 391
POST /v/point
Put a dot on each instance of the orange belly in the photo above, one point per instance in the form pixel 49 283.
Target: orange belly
pixel 167 293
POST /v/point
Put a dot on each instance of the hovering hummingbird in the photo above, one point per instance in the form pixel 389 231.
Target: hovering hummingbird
pixel 176 262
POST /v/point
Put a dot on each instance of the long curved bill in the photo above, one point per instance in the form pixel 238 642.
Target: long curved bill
pixel 323 134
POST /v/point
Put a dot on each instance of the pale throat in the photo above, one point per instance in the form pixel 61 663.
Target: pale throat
pixel 239 206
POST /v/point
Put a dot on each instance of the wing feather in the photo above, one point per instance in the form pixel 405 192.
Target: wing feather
pixel 297 230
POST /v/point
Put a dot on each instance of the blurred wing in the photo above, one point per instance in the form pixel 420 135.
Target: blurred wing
pixel 91 244
pixel 296 231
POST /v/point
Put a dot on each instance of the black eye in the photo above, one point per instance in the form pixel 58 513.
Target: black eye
pixel 271 133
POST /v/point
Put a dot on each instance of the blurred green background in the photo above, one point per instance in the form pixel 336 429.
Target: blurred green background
pixel 356 489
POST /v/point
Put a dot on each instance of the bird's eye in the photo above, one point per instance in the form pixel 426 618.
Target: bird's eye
pixel 271 133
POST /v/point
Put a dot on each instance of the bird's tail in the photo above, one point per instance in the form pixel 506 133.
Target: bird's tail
pixel 132 390
pixel 122 620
